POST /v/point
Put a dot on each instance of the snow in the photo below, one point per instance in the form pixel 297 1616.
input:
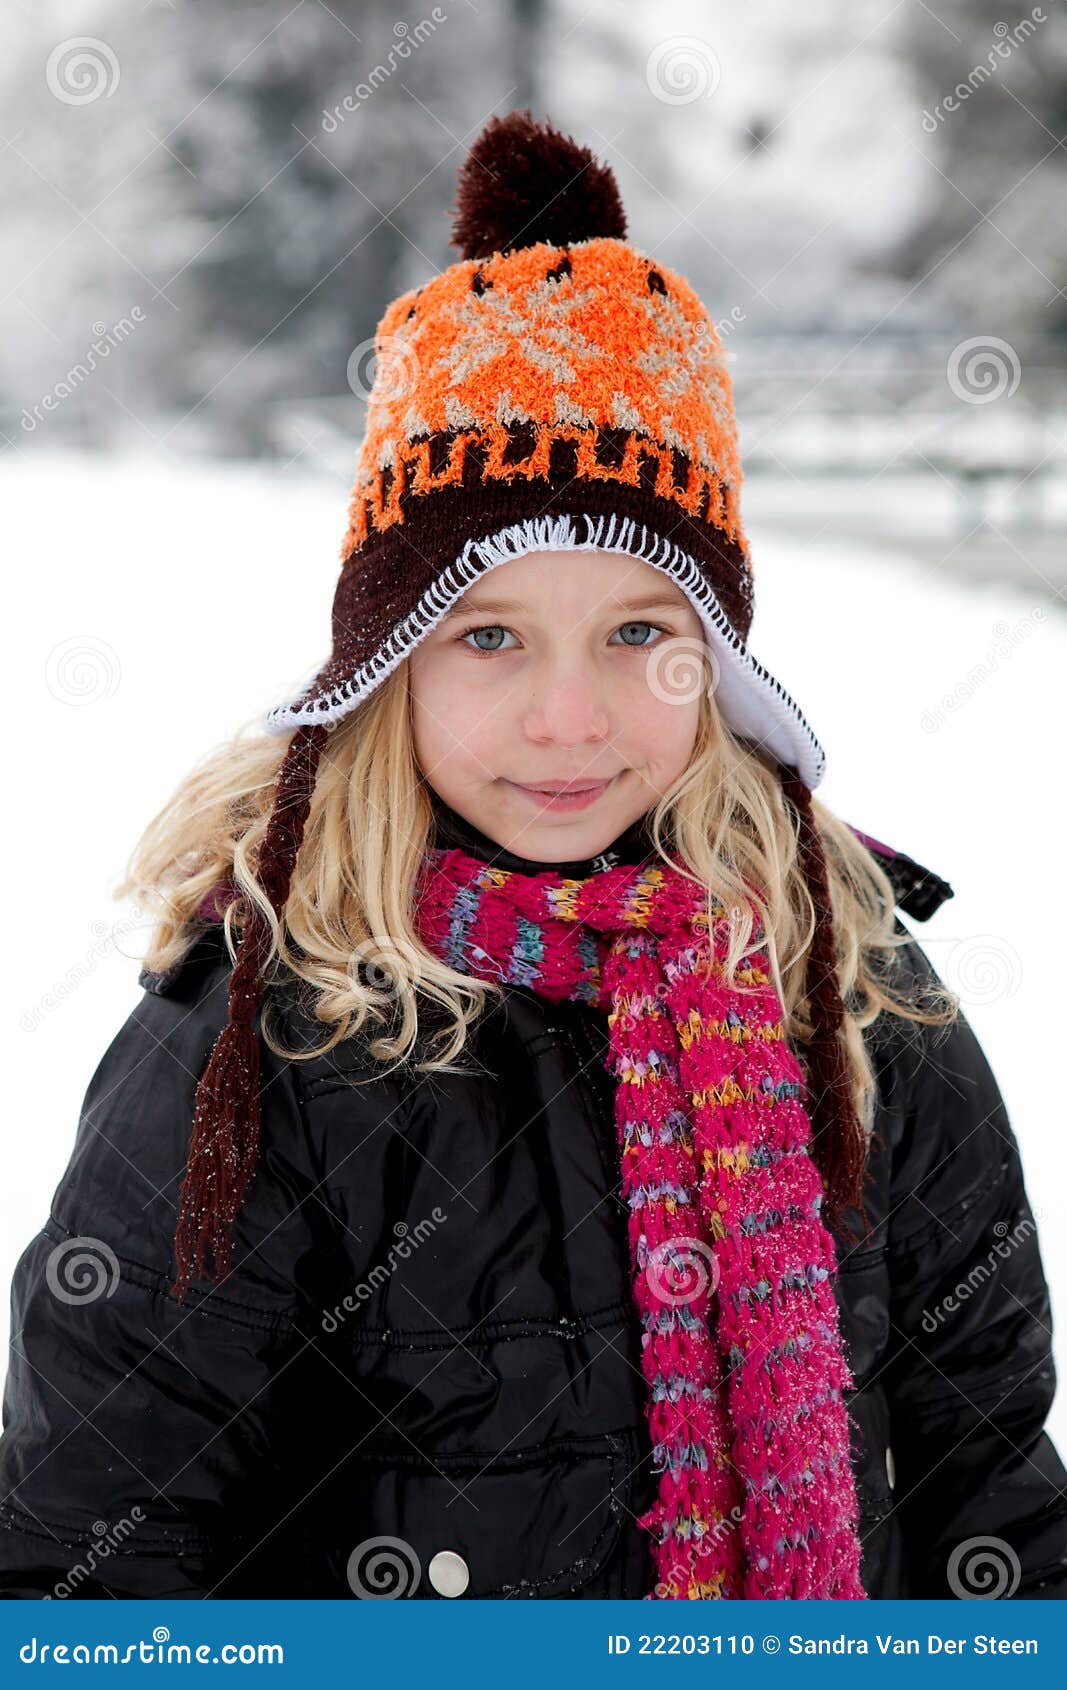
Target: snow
pixel 160 605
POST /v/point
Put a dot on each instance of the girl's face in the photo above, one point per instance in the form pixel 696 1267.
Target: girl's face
pixel 557 669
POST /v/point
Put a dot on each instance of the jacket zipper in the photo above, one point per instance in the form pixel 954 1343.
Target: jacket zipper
pixel 602 1088
pixel 601 1085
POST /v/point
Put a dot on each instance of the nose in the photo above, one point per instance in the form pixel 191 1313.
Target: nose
pixel 567 707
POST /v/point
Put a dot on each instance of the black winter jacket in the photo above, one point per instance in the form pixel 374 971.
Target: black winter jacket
pixel 430 1337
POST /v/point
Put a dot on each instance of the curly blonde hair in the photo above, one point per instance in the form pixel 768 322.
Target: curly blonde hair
pixel 347 933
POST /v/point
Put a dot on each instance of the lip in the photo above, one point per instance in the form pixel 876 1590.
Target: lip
pixel 563 795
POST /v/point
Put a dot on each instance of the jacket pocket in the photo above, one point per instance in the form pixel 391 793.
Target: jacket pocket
pixel 539 1522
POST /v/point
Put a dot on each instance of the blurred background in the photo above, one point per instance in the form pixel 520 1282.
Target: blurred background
pixel 205 211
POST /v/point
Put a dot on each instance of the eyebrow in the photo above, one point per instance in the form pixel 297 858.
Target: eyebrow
pixel 509 607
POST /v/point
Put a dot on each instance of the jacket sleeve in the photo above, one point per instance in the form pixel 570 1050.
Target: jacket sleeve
pixel 979 1486
pixel 146 1449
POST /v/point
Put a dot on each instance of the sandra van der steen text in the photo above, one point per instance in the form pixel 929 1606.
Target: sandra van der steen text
pixel 981 1644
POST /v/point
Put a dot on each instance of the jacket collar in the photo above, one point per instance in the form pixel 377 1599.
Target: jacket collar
pixel 919 891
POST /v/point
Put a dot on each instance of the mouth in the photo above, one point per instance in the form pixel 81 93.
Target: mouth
pixel 565 795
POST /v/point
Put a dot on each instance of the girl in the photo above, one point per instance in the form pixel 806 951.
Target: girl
pixel 587 1186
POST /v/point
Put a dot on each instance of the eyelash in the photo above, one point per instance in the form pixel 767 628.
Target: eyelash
pixel 478 626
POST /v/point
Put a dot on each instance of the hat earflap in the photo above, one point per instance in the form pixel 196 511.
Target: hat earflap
pixel 225 1135
pixel 838 1141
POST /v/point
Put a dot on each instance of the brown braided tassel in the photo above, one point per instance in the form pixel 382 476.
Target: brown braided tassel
pixel 838 1144
pixel 225 1134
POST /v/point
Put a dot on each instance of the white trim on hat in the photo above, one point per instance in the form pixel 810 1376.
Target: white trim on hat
pixel 752 702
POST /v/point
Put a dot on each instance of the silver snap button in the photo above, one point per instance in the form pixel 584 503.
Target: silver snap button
pixel 448 1573
pixel 890 1468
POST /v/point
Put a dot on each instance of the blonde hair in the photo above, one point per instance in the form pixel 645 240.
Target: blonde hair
pixel 347 930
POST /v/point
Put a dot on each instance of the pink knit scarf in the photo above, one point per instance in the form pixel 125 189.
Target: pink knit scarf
pixel 732 1263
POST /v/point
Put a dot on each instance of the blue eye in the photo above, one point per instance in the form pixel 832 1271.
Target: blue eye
pixel 638 643
pixel 486 628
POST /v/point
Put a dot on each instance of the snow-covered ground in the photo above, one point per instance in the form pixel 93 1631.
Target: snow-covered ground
pixel 152 610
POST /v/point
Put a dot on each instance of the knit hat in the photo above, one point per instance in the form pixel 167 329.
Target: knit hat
pixel 553 390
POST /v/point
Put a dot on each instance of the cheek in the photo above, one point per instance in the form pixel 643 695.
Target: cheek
pixel 666 733
pixel 429 717
pixel 664 702
pixel 449 718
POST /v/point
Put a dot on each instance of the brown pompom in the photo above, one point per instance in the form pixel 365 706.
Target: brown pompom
pixel 524 182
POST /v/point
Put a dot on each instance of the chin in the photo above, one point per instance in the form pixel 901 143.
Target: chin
pixel 552 841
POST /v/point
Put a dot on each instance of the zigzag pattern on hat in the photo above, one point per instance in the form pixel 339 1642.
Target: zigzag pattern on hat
pixel 598 347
